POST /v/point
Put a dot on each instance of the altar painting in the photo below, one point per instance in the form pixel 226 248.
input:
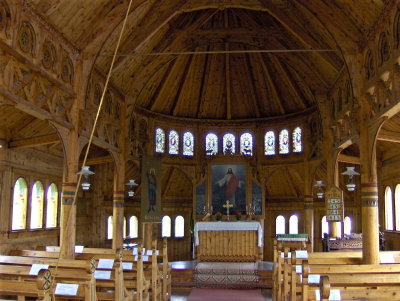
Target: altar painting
pixel 228 183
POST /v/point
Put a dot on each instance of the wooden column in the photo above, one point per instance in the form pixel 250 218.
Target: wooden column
pixel 68 221
pixel 118 219
pixel 148 235
pixel 369 194
pixel 309 219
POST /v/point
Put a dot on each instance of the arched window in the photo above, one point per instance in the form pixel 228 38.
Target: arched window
pixel 19 205
pixel 280 225
pixel 347 225
pixel 173 143
pixel 269 143
pixel 211 144
pixel 166 226
pixel 160 140
pixel 324 226
pixel 388 209
pixel 228 144
pixel 110 227
pixel 246 144
pixel 397 206
pixel 37 205
pixel 284 142
pixel 188 144
pixel 52 206
pixel 133 227
pixel 294 225
pixel 179 226
pixel 297 140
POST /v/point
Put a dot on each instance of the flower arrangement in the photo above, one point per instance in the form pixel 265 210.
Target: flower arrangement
pixel 238 215
pixel 218 216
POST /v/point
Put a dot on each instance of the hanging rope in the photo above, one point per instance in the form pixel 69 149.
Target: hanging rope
pixel 91 138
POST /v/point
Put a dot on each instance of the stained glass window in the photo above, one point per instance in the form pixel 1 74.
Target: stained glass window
pixel 19 205
pixel 229 144
pixel 284 142
pixel 211 144
pixel 52 204
pixel 160 140
pixel 269 143
pixel 246 144
pixel 188 144
pixel 297 141
pixel 37 205
pixel 173 139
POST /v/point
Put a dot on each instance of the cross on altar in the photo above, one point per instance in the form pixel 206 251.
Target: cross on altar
pixel 228 205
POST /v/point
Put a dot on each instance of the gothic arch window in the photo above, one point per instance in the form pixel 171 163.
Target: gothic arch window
pixel 37 196
pixel 52 206
pixel 166 226
pixel 388 209
pixel 173 143
pixel 347 225
pixel 396 29
pixel 269 143
pixel 369 65
pixel 397 206
pixel 20 197
pixel 297 140
pixel 228 144
pixel 284 142
pixel 188 144
pixel 133 227
pixel 246 144
pixel 280 225
pixel 324 226
pixel 160 140
pixel 211 144
pixel 384 48
pixel 294 224
pixel 179 226
pixel 110 227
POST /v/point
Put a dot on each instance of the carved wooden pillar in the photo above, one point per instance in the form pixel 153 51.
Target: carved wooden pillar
pixel 148 235
pixel 333 179
pixel 369 194
pixel 119 183
pixel 308 206
pixel 68 221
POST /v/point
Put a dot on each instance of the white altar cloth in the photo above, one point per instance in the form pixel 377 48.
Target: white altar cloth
pixel 229 226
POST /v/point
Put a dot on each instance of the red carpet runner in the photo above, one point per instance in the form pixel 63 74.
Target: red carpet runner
pixel 226 274
pixel 213 294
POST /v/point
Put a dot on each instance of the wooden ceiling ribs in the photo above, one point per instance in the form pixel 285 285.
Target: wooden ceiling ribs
pixel 174 107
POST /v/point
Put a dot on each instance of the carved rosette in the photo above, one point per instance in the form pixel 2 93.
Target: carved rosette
pixel 26 37
pixel 49 55
pixel 67 70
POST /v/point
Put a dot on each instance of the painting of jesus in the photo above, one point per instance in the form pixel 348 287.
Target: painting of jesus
pixel 228 184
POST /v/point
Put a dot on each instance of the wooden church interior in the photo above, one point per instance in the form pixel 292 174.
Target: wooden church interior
pixel 286 93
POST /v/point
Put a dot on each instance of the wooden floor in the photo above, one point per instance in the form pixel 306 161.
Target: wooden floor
pixel 182 295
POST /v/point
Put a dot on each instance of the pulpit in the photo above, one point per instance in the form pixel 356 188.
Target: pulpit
pixel 229 241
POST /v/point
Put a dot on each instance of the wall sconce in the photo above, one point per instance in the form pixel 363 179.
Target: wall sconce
pixel 131 184
pixel 86 173
pixel 351 186
pixel 320 192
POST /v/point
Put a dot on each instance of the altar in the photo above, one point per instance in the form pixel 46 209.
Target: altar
pixel 229 241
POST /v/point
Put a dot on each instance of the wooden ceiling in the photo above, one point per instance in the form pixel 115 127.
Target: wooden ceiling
pixel 237 82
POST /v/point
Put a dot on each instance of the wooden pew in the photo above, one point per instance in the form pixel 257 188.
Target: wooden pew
pixel 358 293
pixel 123 284
pixel 68 271
pixel 40 288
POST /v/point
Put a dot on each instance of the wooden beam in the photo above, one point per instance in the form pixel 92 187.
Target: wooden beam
pixel 183 78
pixel 271 85
pixel 289 81
pixel 204 80
pixel 34 141
pixel 252 87
pixel 389 136
pixel 349 159
pixel 97 161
